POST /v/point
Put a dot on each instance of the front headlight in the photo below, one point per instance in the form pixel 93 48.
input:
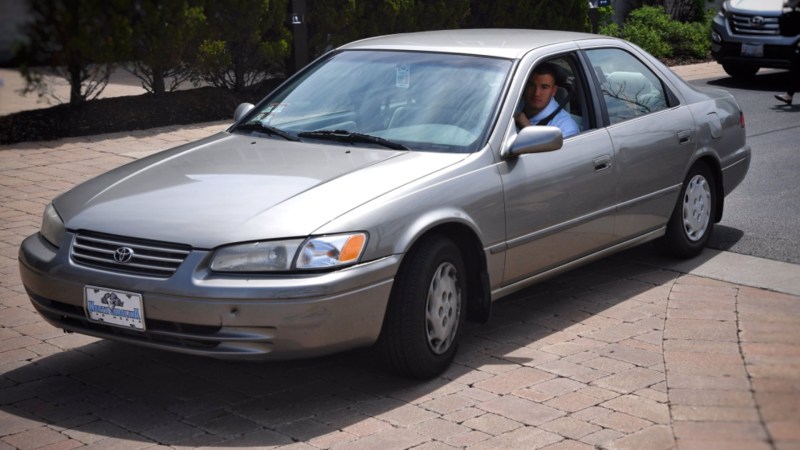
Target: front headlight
pixel 256 257
pixel 52 226
pixel 331 251
pixel 723 10
pixel 279 256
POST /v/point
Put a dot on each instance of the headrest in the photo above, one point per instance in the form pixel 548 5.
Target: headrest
pixel 562 95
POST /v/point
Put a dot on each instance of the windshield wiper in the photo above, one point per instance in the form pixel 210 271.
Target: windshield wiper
pixel 352 138
pixel 266 129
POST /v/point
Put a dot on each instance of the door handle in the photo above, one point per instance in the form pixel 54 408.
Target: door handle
pixel 602 162
pixel 684 137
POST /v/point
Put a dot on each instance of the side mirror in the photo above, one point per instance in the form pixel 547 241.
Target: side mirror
pixel 242 111
pixel 534 139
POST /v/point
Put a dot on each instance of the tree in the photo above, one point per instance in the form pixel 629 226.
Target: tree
pixel 163 40
pixel 245 42
pixel 335 22
pixel 545 14
pixel 654 30
pixel 75 40
pixel 684 10
pixel 680 10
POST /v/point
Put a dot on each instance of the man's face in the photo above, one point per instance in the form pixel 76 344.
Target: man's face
pixel 539 90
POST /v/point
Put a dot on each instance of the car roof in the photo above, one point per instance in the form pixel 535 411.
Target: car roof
pixel 505 43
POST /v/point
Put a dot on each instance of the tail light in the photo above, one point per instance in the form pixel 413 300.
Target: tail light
pixel 741 118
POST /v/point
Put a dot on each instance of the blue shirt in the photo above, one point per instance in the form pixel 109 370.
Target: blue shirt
pixel 562 120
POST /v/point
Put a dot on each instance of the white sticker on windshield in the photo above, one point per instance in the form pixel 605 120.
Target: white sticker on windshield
pixel 275 108
pixel 403 76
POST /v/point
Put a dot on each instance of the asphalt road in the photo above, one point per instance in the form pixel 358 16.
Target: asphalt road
pixel 762 217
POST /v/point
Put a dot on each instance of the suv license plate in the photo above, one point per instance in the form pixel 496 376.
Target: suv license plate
pixel 112 307
pixel 753 50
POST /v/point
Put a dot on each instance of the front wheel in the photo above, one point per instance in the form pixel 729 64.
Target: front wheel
pixel 740 71
pixel 420 333
pixel 692 221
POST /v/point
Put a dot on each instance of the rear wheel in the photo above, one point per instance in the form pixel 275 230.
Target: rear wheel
pixel 420 332
pixel 692 221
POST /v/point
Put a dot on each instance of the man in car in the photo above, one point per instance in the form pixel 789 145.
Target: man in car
pixel 540 102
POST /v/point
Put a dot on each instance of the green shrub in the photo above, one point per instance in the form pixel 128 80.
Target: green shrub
pixel 651 28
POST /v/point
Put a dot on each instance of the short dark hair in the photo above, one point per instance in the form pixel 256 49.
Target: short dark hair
pixel 548 69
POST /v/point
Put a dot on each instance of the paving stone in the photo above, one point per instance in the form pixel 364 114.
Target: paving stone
pixel 34 438
pixel 657 437
pixel 569 444
pixel 406 415
pixel 636 406
pixel 521 410
pixel 491 424
pixel 591 413
pixel 715 413
pixel 463 415
pixel 680 381
pixel 719 431
pixel 632 355
pixel 513 380
pixel 606 364
pixel 391 439
pixel 621 422
pixel 571 370
pixel 711 397
pixel 630 380
pixel 602 438
pixel 702 330
pixel 525 437
pixel 465 440
pixel 570 427
pixel 573 401
pixel 558 386
pixel 691 444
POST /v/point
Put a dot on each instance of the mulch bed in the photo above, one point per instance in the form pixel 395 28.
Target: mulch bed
pixel 135 112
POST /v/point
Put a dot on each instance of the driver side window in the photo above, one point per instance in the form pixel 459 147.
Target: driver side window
pixel 570 94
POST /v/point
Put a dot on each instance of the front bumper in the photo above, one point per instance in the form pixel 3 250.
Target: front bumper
pixel 229 317
pixel 726 47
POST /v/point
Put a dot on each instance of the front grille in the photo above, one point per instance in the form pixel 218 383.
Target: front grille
pixel 755 25
pixel 150 258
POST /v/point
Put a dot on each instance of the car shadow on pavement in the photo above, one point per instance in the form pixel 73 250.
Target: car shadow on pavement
pixel 724 237
pixel 767 81
pixel 106 390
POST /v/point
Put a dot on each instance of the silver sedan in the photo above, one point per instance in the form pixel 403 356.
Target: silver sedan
pixel 385 194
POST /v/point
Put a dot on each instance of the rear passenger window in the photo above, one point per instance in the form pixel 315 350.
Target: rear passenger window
pixel 629 88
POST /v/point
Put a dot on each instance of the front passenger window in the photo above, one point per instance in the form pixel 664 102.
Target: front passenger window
pixel 630 89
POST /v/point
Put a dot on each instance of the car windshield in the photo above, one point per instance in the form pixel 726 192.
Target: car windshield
pixel 388 99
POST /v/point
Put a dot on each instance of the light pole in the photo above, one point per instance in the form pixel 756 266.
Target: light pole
pixel 297 20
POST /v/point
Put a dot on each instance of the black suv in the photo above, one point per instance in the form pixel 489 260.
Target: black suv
pixel 746 36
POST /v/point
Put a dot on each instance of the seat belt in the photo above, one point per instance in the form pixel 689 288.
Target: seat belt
pixel 547 119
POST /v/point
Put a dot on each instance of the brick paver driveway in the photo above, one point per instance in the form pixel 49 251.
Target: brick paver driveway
pixel 618 354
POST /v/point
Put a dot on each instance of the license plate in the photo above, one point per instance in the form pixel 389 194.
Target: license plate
pixel 112 307
pixel 753 50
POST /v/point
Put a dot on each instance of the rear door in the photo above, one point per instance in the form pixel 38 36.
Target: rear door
pixel 653 137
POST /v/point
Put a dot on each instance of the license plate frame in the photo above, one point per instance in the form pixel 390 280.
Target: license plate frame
pixel 752 50
pixel 114 307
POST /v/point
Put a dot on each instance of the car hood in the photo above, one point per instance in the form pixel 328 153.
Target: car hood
pixel 235 188
pixel 756 6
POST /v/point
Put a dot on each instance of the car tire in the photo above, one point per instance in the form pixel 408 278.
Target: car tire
pixel 419 338
pixel 692 221
pixel 740 71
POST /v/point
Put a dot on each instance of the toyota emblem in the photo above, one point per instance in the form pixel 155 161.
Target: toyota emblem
pixel 757 20
pixel 123 255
